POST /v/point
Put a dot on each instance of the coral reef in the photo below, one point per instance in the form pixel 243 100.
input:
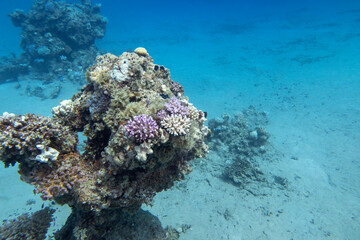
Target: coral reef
pixel 30 227
pixel 58 40
pixel 11 67
pixel 23 137
pixel 140 138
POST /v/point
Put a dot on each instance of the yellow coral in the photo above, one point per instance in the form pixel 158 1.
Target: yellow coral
pixel 141 51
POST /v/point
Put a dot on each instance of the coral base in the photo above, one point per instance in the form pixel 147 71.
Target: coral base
pixel 112 224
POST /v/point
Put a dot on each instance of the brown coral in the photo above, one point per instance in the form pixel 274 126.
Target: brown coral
pixel 20 135
pixel 56 184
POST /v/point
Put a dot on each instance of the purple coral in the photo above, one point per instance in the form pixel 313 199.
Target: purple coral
pixel 162 114
pixel 141 128
pixel 175 107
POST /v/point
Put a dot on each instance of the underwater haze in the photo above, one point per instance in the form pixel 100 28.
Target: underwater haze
pixel 279 82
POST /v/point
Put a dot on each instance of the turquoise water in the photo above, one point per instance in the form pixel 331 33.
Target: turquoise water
pixel 298 62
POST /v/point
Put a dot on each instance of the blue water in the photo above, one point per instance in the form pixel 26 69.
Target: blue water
pixel 297 61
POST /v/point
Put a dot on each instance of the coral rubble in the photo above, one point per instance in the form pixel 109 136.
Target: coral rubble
pixel 141 133
pixel 242 139
pixel 58 40
pixel 243 134
pixel 243 171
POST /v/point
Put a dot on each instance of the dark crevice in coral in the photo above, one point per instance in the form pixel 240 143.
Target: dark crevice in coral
pixel 133 99
pixel 95 146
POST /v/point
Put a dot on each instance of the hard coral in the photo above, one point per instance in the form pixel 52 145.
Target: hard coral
pixel 162 114
pixel 52 28
pixel 176 124
pixel 58 42
pixel 142 128
pixel 20 136
pixel 57 184
pixel 135 143
pixel 175 106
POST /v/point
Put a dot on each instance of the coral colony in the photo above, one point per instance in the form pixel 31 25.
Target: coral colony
pixel 141 133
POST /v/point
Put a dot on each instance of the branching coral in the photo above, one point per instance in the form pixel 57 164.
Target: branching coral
pixel 176 124
pixel 176 107
pixel 142 128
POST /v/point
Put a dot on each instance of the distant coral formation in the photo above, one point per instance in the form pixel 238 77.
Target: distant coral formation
pixel 140 132
pixel 26 226
pixel 58 40
pixel 55 28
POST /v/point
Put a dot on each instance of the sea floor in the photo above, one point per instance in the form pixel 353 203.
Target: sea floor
pixel 303 70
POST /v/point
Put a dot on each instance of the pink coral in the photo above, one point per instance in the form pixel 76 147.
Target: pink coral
pixel 141 128
pixel 176 107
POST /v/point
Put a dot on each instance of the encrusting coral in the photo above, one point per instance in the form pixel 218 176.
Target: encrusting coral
pixel 141 133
